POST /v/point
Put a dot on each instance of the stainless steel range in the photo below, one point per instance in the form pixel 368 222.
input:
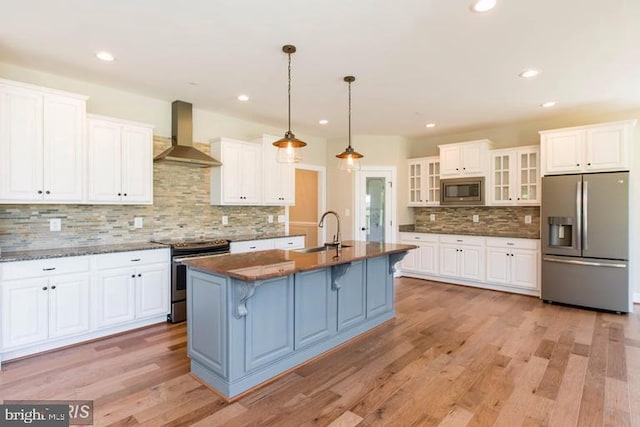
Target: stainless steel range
pixel 181 250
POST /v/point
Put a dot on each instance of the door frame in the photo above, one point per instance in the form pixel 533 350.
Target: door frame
pixel 391 210
pixel 322 196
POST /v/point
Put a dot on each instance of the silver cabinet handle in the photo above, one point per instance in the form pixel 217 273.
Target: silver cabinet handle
pixel 589 263
pixel 579 215
pixel 135 260
pixel 48 269
pixel 585 212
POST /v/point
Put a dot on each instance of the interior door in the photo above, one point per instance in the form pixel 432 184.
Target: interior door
pixel 374 205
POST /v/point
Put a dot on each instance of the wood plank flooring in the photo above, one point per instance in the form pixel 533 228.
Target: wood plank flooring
pixel 453 356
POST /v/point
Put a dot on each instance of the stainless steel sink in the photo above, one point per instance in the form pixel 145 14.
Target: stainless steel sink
pixel 326 247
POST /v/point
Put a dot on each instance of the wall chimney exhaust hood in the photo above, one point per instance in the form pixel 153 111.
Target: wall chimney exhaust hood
pixel 181 150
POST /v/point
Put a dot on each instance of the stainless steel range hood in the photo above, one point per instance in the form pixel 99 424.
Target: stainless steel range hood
pixel 181 150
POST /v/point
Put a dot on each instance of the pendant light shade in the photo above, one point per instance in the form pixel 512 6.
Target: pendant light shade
pixel 349 159
pixel 289 146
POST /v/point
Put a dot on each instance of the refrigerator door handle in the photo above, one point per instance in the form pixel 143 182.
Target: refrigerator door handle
pixel 590 263
pixel 585 222
pixel 579 215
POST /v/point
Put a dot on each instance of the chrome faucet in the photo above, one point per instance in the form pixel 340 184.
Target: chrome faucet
pixel 336 238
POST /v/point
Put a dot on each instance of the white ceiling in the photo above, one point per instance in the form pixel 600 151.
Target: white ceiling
pixel 415 61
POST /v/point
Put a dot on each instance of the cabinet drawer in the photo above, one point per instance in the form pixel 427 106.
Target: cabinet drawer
pixel 501 242
pixel 132 258
pixel 462 240
pixel 295 242
pixel 419 237
pixel 44 267
pixel 251 246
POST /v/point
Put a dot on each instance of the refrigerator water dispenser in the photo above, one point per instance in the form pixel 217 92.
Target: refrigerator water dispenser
pixel 560 231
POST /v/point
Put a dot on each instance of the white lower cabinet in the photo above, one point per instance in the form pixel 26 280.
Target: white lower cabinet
pixel 513 262
pixel 40 308
pixel 131 285
pixel 507 264
pixel 423 259
pixel 462 257
pixel 53 302
pixel 290 242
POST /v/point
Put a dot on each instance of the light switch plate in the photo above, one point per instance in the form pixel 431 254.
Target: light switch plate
pixel 55 224
pixel 270 219
pixel 347 212
pixel 281 218
pixel 527 219
pixel 225 220
pixel 432 217
pixel 138 222
pixel 476 218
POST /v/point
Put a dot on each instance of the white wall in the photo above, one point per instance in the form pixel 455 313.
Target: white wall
pixel 115 102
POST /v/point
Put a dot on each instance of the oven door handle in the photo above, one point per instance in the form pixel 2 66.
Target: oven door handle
pixel 179 259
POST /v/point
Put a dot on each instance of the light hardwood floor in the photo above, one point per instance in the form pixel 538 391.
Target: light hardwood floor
pixel 453 356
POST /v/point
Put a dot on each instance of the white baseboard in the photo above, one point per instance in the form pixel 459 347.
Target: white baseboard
pixel 636 297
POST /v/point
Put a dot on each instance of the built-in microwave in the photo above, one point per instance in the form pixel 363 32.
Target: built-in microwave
pixel 462 191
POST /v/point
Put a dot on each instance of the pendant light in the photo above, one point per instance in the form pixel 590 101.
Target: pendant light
pixel 289 146
pixel 349 159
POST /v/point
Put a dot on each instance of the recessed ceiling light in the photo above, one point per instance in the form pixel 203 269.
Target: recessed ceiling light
pixel 482 5
pixel 105 56
pixel 430 125
pixel 548 104
pixel 243 97
pixel 323 121
pixel 527 74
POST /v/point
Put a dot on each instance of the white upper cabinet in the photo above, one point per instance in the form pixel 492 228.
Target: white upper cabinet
pixel 424 181
pixel 464 158
pixel 239 180
pixel 515 176
pixel 595 148
pixel 278 179
pixel 41 144
pixel 120 169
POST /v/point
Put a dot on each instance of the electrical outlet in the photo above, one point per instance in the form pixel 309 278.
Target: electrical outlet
pixel 432 217
pixel 281 218
pixel 270 219
pixel 138 222
pixel 347 212
pixel 476 218
pixel 225 220
pixel 55 224
pixel 527 219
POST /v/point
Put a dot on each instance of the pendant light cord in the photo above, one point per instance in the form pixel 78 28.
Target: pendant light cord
pixel 289 92
pixel 349 114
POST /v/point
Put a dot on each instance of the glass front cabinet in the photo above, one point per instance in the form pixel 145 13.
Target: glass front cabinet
pixel 424 181
pixel 515 176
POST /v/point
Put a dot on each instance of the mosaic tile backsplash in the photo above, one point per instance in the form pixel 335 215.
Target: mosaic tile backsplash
pixel 492 221
pixel 180 209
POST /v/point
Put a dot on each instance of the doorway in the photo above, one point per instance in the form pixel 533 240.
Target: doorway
pixel 375 204
pixel 310 203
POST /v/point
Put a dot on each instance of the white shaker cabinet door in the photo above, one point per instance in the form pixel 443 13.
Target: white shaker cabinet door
pixel 21 175
pixel 115 296
pixel 24 312
pixel 498 265
pixel 152 290
pixel 68 305
pixel 104 161
pixel 524 268
pixel 137 166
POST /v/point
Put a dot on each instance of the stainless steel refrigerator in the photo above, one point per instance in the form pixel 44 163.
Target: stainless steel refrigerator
pixel 585 240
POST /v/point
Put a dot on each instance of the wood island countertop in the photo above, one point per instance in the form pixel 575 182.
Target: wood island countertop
pixel 267 264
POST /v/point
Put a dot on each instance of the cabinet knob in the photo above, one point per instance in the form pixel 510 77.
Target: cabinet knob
pixel 133 276
pixel 509 198
pixel 139 274
pixel 124 194
pixel 457 169
pixel 464 169
pixel 119 194
pixel 53 287
pixel 47 192
pixel 39 191
pixel 577 164
pixel 44 288
pixel 589 164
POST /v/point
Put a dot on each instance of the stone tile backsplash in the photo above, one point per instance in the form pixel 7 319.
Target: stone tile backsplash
pixel 180 209
pixel 492 221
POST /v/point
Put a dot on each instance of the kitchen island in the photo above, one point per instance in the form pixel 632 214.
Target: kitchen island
pixel 253 316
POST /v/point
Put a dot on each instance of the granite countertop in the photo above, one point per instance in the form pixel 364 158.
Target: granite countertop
pixel 261 236
pixel 517 234
pixel 262 265
pixel 76 251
